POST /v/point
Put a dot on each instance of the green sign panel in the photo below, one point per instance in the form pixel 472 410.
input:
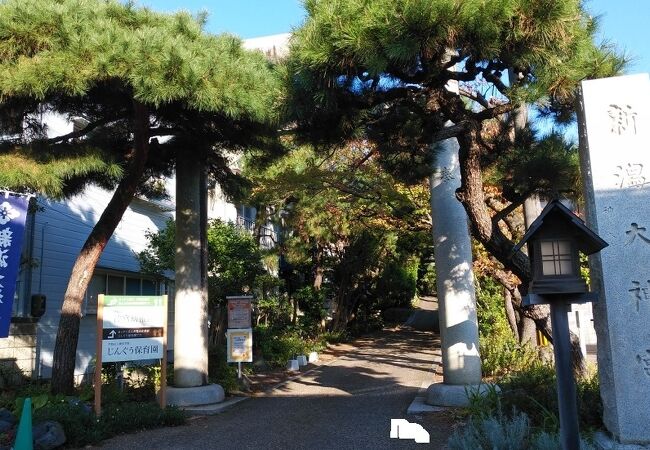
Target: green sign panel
pixel 132 300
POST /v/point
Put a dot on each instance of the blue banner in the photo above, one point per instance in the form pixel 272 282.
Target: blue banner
pixel 13 212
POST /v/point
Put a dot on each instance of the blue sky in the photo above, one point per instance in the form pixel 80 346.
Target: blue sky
pixel 624 22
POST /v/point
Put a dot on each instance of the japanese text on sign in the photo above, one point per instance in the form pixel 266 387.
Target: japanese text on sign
pixel 132 328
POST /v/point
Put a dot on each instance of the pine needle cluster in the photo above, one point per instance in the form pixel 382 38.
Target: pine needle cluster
pixel 89 60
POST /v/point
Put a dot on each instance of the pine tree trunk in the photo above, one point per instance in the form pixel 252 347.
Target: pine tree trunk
pixel 218 326
pixel 527 331
pixel 510 312
pixel 317 267
pixel 67 337
pixel 471 196
pixel 532 209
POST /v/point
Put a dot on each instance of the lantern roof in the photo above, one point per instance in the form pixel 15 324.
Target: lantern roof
pixel 555 213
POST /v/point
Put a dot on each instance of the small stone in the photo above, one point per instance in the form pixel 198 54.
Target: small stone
pixel 5 426
pixel 74 401
pixel 7 416
pixel 48 435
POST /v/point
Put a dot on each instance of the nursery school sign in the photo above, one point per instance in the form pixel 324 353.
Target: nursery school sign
pixel 131 328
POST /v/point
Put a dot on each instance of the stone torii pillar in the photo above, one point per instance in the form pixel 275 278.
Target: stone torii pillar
pixel 455 283
pixel 191 386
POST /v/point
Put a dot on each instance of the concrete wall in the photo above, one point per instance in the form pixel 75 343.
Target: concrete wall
pixel 18 353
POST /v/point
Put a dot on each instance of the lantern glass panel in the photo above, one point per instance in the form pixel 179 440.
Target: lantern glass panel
pixel 556 258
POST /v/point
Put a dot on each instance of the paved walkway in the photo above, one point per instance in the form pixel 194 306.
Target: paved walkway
pixel 346 404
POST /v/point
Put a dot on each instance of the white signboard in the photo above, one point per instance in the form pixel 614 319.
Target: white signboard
pixel 240 345
pixel 133 328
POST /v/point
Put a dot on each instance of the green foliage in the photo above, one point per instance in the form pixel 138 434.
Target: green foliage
pixel 82 427
pixel 272 310
pixel 335 337
pixel 553 161
pixel 132 416
pixel 551 44
pixel 501 352
pixel 158 256
pixel 139 383
pixel 90 59
pixel 489 308
pixel 504 432
pixel 222 373
pixel 533 391
pixel 426 278
pixel 120 414
pixel 501 355
pixel 68 46
pixel 311 303
pixel 234 259
pixel 277 347
pixel 397 284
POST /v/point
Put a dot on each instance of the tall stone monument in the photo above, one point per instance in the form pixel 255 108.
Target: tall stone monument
pixel 615 157
pixel 455 283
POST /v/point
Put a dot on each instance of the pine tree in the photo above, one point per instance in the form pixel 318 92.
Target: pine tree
pixel 398 71
pixel 149 89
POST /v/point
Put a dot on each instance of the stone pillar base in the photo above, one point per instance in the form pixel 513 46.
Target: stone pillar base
pixel 195 396
pixel 441 394
pixel 604 442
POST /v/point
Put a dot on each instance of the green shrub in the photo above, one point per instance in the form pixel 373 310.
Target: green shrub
pixel 533 391
pixel 311 302
pixel 272 311
pixel 277 347
pixel 492 320
pixel 132 416
pixel 426 284
pixel 500 350
pixel 365 321
pixel 222 373
pixel 82 427
pixel 590 404
pixel 335 337
pixel 397 284
pixel 501 355
pixel 501 432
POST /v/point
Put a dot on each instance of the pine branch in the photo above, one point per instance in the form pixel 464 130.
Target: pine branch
pixel 493 112
pixel 476 96
pixel 496 81
pixel 450 132
pixel 83 132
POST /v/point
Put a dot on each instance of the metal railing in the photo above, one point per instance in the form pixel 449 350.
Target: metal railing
pixel 267 235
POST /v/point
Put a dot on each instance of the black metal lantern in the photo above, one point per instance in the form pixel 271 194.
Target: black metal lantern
pixel 555 240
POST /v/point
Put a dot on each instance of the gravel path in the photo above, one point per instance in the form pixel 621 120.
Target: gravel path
pixel 346 404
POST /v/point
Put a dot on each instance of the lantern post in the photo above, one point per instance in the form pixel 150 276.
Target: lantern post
pixel 555 240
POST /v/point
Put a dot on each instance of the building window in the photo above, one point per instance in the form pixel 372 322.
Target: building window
pixel 556 258
pixel 120 283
